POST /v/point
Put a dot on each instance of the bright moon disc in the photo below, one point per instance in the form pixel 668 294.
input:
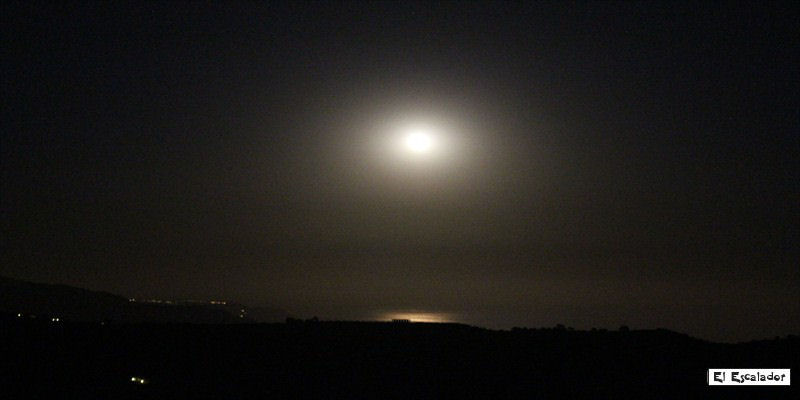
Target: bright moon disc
pixel 419 142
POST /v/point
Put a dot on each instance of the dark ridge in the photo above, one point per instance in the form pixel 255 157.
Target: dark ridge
pixel 347 359
pixel 82 354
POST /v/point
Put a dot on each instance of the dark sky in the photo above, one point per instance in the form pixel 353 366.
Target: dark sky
pixel 599 164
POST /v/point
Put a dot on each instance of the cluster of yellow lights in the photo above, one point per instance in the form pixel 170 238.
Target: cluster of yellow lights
pixel 138 380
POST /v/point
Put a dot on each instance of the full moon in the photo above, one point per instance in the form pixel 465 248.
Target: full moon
pixel 419 141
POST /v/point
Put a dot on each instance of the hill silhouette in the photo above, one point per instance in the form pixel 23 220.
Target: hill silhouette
pixel 80 305
pixel 42 358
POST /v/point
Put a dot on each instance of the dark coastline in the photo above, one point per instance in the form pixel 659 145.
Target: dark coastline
pixel 318 359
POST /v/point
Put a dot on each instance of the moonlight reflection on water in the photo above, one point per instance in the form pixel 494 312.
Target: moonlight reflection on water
pixel 418 316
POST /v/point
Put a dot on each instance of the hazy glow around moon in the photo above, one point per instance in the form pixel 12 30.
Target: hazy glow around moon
pixel 421 154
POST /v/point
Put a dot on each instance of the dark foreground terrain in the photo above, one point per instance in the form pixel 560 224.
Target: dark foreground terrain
pixel 45 359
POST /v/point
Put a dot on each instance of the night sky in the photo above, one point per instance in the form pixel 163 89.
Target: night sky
pixel 592 164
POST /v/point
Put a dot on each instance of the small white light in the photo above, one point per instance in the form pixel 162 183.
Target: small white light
pixel 19 315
